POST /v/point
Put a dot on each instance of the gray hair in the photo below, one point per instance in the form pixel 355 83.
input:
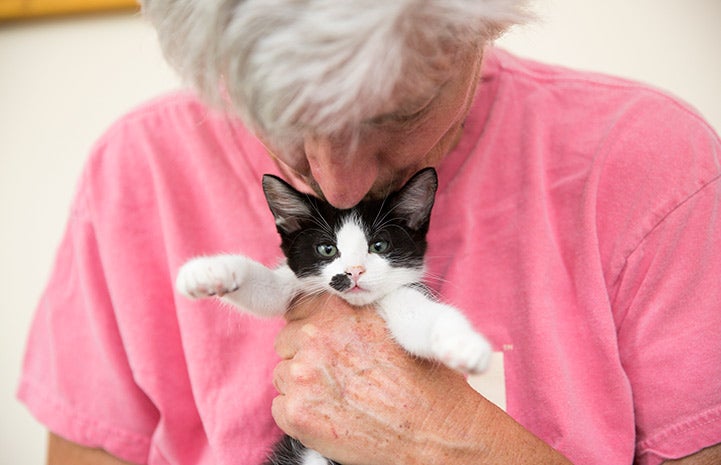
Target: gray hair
pixel 288 67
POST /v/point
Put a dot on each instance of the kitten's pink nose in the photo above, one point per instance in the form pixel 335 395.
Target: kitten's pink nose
pixel 355 271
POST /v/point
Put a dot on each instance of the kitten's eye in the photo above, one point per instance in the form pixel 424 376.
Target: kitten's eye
pixel 378 247
pixel 326 250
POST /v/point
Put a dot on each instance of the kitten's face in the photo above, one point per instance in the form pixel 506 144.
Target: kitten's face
pixel 360 254
pixel 359 265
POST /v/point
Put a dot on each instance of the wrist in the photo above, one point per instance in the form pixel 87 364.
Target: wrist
pixel 463 427
pixel 452 431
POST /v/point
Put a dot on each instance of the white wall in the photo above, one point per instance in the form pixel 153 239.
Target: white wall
pixel 672 44
pixel 63 81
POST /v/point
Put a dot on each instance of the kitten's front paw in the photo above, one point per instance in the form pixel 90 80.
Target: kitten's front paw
pixel 209 276
pixel 461 348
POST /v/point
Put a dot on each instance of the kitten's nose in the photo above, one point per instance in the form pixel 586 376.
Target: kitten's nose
pixel 355 271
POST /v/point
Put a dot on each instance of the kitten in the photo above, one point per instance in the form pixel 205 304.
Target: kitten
pixel 369 254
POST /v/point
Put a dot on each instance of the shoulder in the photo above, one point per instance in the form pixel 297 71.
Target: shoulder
pixel 631 134
pixel 172 147
pixel 175 133
pixel 634 152
pixel 587 99
pixel 173 119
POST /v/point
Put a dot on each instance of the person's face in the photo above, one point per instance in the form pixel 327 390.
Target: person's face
pixel 392 146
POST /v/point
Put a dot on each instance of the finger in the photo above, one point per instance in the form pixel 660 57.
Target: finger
pixel 290 415
pixel 277 411
pixel 279 375
pixel 290 374
pixel 292 336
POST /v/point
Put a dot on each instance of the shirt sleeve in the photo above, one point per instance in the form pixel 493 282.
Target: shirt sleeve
pixel 76 378
pixel 668 305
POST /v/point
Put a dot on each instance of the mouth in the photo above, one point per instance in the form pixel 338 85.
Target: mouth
pixel 357 296
pixel 356 290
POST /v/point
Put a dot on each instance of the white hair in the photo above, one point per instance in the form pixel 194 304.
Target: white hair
pixel 293 66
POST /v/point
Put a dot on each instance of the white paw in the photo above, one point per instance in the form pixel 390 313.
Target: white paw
pixel 210 276
pixel 461 348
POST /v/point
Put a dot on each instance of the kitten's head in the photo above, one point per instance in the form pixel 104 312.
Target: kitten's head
pixel 362 253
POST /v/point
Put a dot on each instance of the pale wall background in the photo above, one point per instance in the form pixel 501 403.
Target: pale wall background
pixel 63 81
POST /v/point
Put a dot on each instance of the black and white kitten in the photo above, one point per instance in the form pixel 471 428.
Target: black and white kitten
pixel 369 254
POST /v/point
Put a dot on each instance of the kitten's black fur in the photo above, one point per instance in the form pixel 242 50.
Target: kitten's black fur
pixel 390 218
pixel 402 219
pixel 289 451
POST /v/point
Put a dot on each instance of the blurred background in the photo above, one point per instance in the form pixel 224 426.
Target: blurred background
pixel 64 79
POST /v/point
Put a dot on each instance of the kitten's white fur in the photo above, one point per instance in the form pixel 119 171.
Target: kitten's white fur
pixel 312 457
pixel 421 325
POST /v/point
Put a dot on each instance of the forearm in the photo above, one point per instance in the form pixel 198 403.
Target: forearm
pixel 476 432
pixel 63 452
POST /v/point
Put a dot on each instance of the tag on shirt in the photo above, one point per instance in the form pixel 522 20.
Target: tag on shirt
pixel 491 384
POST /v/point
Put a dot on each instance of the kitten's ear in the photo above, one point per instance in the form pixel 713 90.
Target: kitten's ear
pixel 415 199
pixel 287 204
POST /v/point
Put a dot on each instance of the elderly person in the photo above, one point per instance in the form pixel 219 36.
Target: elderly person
pixel 577 225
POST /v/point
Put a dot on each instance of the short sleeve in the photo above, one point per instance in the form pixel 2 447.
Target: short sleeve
pixel 670 302
pixel 76 378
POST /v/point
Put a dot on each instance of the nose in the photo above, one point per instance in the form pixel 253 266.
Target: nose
pixel 355 271
pixel 344 172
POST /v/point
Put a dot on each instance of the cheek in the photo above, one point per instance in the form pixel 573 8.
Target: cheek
pixel 331 269
pixel 407 152
pixel 376 266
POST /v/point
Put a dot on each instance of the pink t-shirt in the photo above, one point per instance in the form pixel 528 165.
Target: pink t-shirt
pixel 578 224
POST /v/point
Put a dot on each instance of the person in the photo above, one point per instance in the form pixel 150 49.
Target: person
pixel 576 224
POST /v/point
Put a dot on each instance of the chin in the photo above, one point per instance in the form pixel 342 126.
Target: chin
pixel 359 299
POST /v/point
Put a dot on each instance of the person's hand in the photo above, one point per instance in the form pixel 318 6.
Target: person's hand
pixel 347 390
pixel 350 392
